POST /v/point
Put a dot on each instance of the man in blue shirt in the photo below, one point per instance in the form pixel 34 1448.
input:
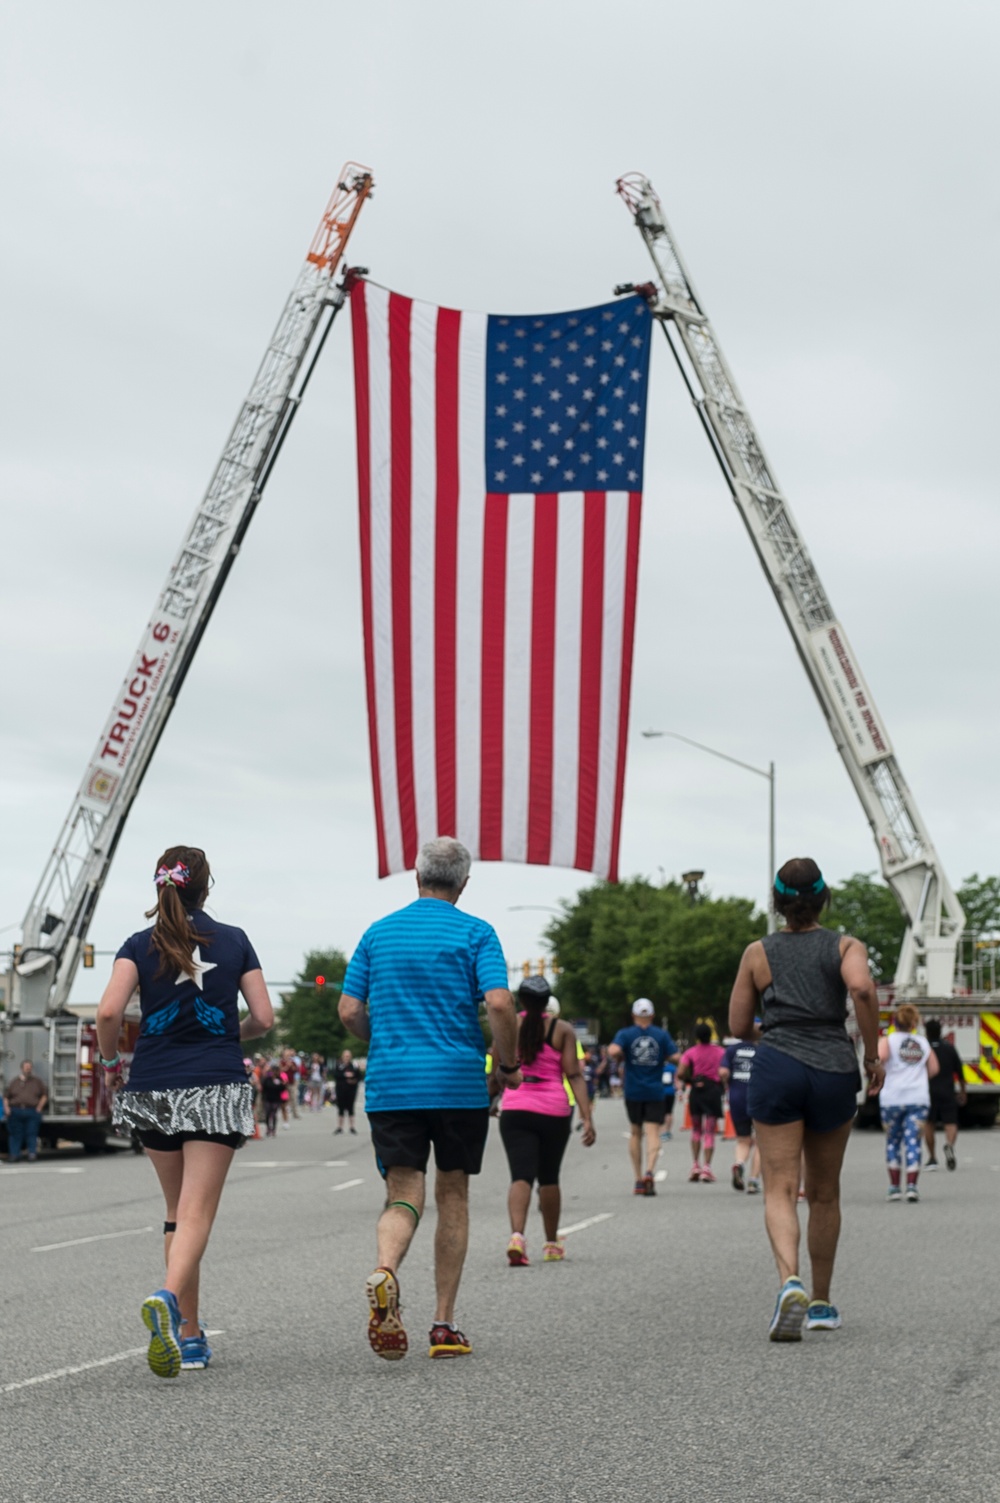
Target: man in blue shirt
pixel 413 989
pixel 645 1049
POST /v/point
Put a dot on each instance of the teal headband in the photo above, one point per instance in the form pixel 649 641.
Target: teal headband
pixel 798 892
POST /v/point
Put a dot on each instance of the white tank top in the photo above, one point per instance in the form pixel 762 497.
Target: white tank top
pixel 906 1082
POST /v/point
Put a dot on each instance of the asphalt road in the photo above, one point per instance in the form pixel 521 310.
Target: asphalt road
pixel 637 1369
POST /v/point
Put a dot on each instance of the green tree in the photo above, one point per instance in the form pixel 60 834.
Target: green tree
pixel 980 897
pixel 308 1018
pixel 866 908
pixel 630 939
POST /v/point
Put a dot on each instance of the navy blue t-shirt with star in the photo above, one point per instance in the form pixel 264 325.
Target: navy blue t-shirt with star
pixel 190 1032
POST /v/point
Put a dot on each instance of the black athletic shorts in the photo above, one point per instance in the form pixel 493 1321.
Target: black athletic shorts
pixel 535 1144
pixel 943 1111
pixel 705 1100
pixel 162 1142
pixel 646 1111
pixel 402 1140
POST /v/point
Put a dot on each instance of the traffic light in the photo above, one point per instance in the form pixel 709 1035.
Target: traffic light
pixel 88 957
pixel 526 968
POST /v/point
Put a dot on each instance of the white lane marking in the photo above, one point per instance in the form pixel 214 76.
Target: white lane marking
pixel 20 1169
pixel 273 1164
pixel 335 1164
pixel 348 1184
pixel 579 1226
pixel 84 1367
pixel 660 1176
pixel 68 1372
pixel 135 1231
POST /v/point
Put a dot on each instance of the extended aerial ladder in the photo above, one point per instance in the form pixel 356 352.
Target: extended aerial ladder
pixel 61 910
pixel 910 864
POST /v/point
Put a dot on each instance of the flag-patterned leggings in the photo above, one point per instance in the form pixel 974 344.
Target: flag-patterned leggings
pixel 902 1131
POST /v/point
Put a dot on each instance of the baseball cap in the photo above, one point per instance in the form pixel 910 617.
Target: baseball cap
pixel 534 986
pixel 643 1008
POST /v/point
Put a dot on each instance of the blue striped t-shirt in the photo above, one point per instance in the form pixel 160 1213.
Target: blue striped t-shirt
pixel 423 972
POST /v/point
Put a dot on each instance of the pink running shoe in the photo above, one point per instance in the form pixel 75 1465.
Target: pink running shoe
pixel 707 1177
pixel 517 1251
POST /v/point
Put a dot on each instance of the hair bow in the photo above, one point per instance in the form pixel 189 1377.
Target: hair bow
pixel 172 876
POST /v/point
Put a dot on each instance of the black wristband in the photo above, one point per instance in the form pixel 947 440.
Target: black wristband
pixel 508 1069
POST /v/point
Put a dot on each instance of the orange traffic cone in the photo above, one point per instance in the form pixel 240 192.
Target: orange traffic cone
pixel 687 1117
pixel 730 1130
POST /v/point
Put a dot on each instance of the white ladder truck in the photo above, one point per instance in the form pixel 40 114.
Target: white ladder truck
pixel 37 1024
pixel 929 958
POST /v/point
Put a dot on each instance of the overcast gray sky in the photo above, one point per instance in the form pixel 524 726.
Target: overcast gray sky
pixel 830 174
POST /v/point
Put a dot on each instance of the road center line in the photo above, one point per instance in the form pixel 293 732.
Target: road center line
pixel 579 1226
pixel 135 1231
pixel 348 1184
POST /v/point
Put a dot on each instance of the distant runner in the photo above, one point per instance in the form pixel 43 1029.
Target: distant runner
pixel 700 1065
pixel 644 1049
pixel 945 1101
pixel 735 1072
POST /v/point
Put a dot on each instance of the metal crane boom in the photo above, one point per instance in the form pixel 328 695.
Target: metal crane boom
pixel 910 864
pixel 60 911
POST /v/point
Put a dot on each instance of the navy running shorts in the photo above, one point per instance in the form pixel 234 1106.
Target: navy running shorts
pixel 403 1140
pixel 739 1111
pixel 646 1111
pixel 782 1089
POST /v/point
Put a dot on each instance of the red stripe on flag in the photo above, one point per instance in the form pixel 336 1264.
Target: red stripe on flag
pixel 400 442
pixel 359 326
pixel 543 674
pixel 628 634
pixel 446 564
pixel 492 676
pixel 591 645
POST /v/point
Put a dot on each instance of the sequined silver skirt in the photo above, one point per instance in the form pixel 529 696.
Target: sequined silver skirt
pixel 215 1108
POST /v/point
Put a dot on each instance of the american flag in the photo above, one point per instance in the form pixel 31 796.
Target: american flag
pixel 500 476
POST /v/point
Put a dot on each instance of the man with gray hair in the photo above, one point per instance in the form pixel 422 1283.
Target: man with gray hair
pixel 412 990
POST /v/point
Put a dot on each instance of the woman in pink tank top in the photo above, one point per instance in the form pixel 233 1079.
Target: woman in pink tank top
pixel 535 1118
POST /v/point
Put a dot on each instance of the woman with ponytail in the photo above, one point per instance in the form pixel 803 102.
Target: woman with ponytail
pixel 804 1083
pixel 535 1118
pixel 187 1096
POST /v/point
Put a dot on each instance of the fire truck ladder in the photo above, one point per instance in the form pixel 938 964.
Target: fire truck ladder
pixel 910 865
pixel 61 910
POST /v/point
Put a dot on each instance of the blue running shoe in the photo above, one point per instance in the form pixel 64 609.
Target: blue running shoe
pixel 162 1318
pixel 822 1317
pixel 195 1350
pixel 789 1312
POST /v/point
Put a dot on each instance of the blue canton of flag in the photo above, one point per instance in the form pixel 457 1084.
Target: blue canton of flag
pixel 566 399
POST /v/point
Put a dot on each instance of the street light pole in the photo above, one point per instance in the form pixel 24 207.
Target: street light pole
pixel 749 767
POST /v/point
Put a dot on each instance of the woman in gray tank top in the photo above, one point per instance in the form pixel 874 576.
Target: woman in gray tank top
pixel 804 1081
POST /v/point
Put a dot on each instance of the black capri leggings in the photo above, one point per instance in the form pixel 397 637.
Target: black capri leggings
pixel 535 1144
pixel 345 1099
